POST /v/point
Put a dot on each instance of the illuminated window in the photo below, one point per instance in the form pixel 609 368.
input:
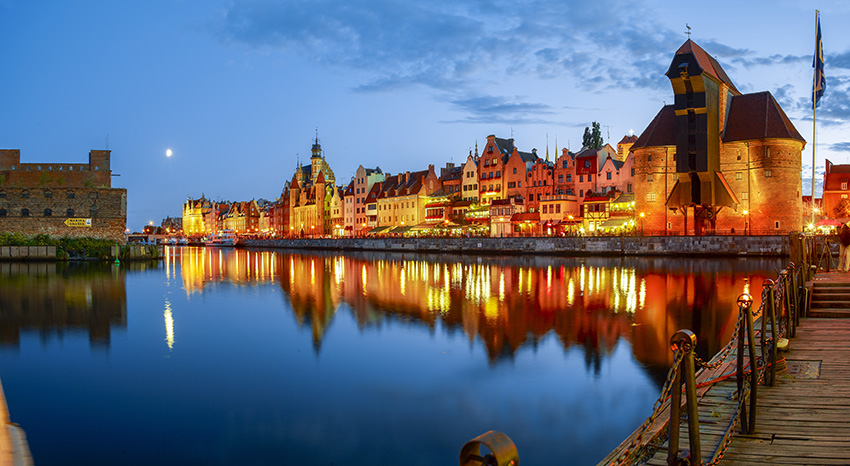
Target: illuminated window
pixel 768 173
pixel 739 176
pixel 844 185
pixel 650 197
pixel 776 224
pixel 745 195
pixel 649 177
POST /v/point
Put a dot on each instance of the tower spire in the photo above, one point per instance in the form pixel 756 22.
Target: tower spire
pixel 547 147
pixel 476 148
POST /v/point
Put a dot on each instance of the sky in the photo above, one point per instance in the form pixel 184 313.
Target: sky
pixel 239 89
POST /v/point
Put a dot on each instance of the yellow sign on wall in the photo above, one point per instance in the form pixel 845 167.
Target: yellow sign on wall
pixel 78 222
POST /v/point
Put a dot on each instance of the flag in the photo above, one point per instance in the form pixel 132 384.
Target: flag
pixel 820 80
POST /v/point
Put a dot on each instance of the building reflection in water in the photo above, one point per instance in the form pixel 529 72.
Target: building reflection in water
pixel 52 298
pixel 504 302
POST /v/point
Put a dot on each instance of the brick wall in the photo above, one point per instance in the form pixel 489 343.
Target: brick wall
pixel 48 209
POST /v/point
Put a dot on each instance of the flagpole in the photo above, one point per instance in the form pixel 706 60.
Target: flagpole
pixel 814 125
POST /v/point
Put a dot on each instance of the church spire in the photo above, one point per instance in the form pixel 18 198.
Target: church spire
pixel 547 147
pixel 476 148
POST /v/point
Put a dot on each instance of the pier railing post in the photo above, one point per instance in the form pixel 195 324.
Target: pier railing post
pixel 684 341
pixel 748 421
pixel 769 319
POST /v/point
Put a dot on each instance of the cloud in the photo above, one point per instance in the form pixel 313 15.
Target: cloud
pixel 840 147
pixel 453 46
pixel 495 109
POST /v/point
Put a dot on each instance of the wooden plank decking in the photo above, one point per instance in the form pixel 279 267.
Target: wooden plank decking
pixel 804 419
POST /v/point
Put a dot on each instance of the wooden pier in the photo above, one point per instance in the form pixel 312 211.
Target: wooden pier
pixel 803 419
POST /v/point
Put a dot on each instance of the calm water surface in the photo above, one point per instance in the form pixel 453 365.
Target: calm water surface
pixel 259 357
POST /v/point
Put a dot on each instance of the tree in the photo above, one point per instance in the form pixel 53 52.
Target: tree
pixel 592 138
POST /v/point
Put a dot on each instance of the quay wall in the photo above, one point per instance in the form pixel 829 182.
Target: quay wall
pixel 568 246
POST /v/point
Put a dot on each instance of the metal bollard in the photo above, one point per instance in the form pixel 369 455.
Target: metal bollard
pixel 684 340
pixel 748 423
pixel 503 452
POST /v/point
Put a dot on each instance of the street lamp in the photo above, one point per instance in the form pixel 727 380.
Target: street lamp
pixel 746 222
pixel 641 223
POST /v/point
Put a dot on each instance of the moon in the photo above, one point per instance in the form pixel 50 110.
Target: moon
pixel 168 152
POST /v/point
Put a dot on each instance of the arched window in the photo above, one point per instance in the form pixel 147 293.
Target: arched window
pixel 25 212
pixel 69 213
pixel 69 194
pixel 48 213
pixel 2 212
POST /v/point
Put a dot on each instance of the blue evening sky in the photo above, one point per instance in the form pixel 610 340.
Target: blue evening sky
pixel 237 88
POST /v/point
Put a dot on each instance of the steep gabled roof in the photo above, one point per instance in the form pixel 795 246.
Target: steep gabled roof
pixel 628 139
pixel 705 61
pixel 758 116
pixel 660 132
pixel 506 146
pixel 349 190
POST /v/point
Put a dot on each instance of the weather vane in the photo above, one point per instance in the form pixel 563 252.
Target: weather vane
pixel 688 32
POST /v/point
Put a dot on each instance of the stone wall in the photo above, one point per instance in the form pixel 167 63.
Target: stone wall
pixel 36 211
pixel 570 246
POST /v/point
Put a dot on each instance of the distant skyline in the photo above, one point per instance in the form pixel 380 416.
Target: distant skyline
pixel 236 89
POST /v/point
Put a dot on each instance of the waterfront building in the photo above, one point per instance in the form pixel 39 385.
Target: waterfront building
pixel 558 212
pixel 493 170
pixel 517 168
pixel 243 217
pixel 616 174
pixel 587 167
pixel 835 188
pixel 194 211
pixel 717 160
pixel 310 194
pixel 61 199
pixel 469 183
pixel 349 216
pixel 539 183
pixel 450 180
pixel 337 215
pixel 364 179
pixel 403 197
pixel 624 147
pixel 501 213
pixel 564 174
pixel 372 205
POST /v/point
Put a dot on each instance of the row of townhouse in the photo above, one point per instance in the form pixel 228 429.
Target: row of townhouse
pixel 459 198
pixel 203 217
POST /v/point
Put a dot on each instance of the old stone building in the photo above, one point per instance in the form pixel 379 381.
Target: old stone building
pixel 61 199
pixel 717 160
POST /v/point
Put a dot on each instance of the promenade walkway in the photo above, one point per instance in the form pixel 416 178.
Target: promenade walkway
pixel 803 419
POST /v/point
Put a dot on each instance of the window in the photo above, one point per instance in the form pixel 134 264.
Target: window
pixel 649 177
pixel 768 173
pixel 48 213
pixel 2 212
pixel 70 194
pixel 499 173
pixel 776 224
pixel 25 212
pixel 531 197
pixel 69 213
pixel 767 156
pixel 844 185
pixel 569 178
pixel 587 164
pixel 581 193
pixel 48 194
pixel 514 171
pixel 589 177
pixel 560 178
pixel 581 178
pixel 564 164
pixel 545 209
pixel 669 226
pixel 608 176
pixel 557 208
pixel 739 176
pixel 570 192
pixel 650 197
pixel 633 172
pixel 745 195
pixel 25 194
pixel 649 159
pixel 519 184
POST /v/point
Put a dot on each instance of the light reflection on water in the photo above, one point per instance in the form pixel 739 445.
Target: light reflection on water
pixel 565 355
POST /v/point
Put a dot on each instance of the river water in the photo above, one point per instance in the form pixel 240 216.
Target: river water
pixel 254 357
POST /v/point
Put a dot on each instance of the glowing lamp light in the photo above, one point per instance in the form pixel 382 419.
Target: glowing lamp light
pixel 746 212
pixel 641 215
pixel 168 152
pixel 812 226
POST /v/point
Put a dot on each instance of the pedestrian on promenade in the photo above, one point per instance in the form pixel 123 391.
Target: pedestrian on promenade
pixel 844 254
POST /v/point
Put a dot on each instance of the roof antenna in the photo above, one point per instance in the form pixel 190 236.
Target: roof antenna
pixel 688 32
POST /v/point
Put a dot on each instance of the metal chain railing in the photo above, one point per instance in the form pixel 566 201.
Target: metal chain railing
pixel 657 408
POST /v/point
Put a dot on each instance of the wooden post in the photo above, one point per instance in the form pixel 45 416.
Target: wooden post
pixel 686 341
